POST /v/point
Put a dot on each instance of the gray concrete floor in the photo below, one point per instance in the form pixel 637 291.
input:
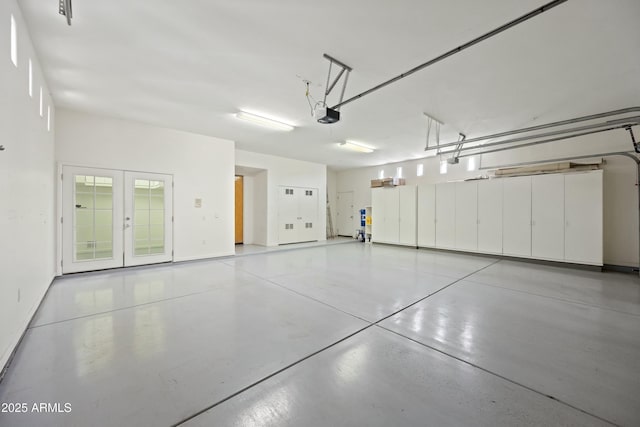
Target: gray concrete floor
pixel 333 335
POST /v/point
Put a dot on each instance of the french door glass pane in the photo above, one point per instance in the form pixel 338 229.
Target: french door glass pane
pixel 93 218
pixel 148 221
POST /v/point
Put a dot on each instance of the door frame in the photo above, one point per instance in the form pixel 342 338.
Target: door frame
pixel 59 206
pixel 353 213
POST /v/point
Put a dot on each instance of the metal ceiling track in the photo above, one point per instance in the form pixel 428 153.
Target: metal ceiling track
pixel 458 49
pixel 65 9
pixel 607 114
pixel 554 135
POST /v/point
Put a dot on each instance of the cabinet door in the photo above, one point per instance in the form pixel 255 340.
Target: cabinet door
pixel 377 215
pixel 516 216
pixel 490 216
pixel 547 217
pixel 408 213
pixel 446 215
pixel 583 217
pixel 466 227
pixel 307 199
pixel 427 215
pixel 288 223
pixel 392 215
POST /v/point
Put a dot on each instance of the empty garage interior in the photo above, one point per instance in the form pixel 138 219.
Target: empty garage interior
pixel 329 213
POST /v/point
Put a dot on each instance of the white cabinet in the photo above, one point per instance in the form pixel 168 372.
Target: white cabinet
pixel 490 216
pixel 394 213
pixel 583 205
pixel 297 214
pixel 427 215
pixel 385 207
pixel 555 217
pixel 466 226
pixel 547 217
pixel 516 216
pixel 407 215
pixel 446 215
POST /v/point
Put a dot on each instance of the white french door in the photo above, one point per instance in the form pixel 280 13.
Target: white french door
pixel 147 218
pixel 113 218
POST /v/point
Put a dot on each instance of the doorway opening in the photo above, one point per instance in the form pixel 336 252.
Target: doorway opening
pixel 239 210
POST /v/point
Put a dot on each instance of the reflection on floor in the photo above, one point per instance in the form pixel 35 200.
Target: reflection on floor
pixel 247 249
pixel 333 335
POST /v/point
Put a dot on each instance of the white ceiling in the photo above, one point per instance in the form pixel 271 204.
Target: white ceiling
pixel 191 64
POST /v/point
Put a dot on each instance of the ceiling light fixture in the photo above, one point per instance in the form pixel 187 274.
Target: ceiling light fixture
pixel 263 121
pixel 356 146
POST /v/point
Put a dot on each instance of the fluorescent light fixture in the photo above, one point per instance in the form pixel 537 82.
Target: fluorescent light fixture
pixel 263 121
pixel 30 78
pixel 443 166
pixel 14 42
pixel 471 164
pixel 356 146
pixel 420 170
pixel 381 174
pixel 399 172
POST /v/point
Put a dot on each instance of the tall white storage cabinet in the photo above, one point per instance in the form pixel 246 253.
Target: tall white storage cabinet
pixel 394 213
pixel 385 207
pixel 547 217
pixel 583 205
pixel 516 216
pixel 446 215
pixel 427 215
pixel 407 214
pixel 490 216
pixel 297 214
pixel 466 216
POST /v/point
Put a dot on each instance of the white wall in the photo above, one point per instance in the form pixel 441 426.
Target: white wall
pixel 259 212
pixel 248 195
pixel 202 167
pixel 27 191
pixel 620 191
pixel 283 171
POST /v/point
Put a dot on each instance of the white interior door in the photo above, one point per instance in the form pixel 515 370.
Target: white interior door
pixel 307 199
pixel 91 219
pixel 346 226
pixel 148 218
pixel 287 215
